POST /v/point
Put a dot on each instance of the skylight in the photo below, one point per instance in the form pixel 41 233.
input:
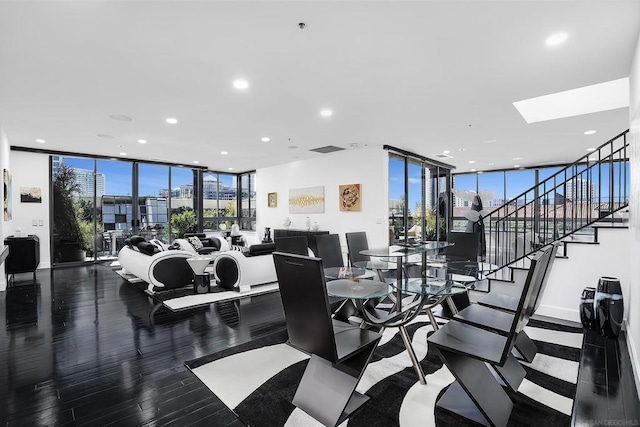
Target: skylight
pixel 575 102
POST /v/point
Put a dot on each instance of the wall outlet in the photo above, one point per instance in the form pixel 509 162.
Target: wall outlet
pixel 378 220
pixel 41 222
pixel 34 222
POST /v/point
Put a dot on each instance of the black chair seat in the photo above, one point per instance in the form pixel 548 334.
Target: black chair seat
pixel 486 318
pixel 499 301
pixel 466 339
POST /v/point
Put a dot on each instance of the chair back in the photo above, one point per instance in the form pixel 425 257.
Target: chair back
pixel 531 288
pixel 329 250
pixel 306 304
pixel 357 242
pixel 465 245
pixel 293 245
pixel 545 279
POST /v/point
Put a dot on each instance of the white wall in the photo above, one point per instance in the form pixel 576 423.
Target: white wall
pixel 583 267
pixel 367 167
pixel 633 320
pixel 4 226
pixel 32 170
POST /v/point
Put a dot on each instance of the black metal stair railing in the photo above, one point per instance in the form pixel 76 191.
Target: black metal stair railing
pixel 593 187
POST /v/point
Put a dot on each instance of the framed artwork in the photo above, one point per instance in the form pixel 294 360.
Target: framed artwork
pixel 272 200
pixel 30 195
pixel 306 200
pixel 7 195
pixel 350 198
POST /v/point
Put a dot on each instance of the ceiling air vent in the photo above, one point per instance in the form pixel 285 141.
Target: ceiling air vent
pixel 327 149
pixel 443 156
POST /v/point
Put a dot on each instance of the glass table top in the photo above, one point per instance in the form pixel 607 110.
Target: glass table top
pixel 358 289
pixel 431 286
pixel 395 251
pixel 376 264
pixel 344 272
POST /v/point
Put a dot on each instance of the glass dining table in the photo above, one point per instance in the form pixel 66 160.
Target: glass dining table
pixel 410 296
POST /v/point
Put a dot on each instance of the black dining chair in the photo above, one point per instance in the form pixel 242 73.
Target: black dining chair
pixel 339 351
pixel 356 242
pixel 466 350
pixel 494 310
pixel 329 250
pixel 292 245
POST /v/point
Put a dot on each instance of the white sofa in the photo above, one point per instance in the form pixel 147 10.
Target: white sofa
pixel 236 270
pixel 163 270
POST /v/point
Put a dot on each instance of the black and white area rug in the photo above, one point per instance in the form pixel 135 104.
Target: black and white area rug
pixel 184 298
pixel 258 380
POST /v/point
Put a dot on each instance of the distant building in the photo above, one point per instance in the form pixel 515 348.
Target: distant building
pixel 580 190
pixel 86 179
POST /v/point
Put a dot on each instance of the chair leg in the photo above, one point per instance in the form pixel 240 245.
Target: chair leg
pixel 525 347
pixel 327 391
pixel 512 373
pixel 475 395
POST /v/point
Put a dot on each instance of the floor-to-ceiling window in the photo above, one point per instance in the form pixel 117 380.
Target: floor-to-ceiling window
pixel 418 197
pixel 220 200
pixel 114 211
pixel 74 187
pixel 98 203
pixel 247 215
pixel 183 214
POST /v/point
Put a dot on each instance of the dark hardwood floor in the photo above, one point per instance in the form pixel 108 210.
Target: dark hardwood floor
pixel 83 347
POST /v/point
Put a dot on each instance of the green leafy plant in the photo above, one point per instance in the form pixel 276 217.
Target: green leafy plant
pixel 183 221
pixel 72 234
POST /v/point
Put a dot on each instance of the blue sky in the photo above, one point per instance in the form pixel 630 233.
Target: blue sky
pixel 152 178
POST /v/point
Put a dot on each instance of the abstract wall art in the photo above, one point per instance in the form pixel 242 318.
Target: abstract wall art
pixel 30 195
pixel 306 200
pixel 7 195
pixel 349 198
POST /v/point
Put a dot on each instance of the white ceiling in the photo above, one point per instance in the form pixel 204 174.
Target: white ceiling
pixel 424 76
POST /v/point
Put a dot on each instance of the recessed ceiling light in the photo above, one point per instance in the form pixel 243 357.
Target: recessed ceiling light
pixel 224 153
pixel 516 166
pixel 293 147
pixel 230 169
pixel 171 121
pixel 196 162
pixel 472 161
pixel 120 117
pixel 473 170
pixel 446 151
pixel 326 113
pixel 123 154
pixel 462 149
pixel 491 164
pixel 489 141
pixel 591 149
pixel 517 158
pixel 40 141
pixel 102 135
pixel 589 132
pixel 240 84
pixel 265 139
pixel 142 141
pixel 556 39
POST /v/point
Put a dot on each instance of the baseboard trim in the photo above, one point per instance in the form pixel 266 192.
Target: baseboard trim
pixel 635 362
pixel 559 313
